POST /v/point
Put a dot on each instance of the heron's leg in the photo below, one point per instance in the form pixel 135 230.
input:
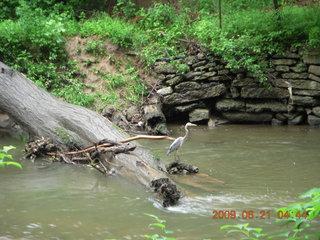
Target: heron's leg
pixel 178 156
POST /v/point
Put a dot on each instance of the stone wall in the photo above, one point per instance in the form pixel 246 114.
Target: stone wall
pixel 209 90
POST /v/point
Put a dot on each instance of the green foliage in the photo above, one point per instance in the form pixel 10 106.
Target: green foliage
pixel 114 81
pixel 4 154
pixel 116 30
pixel 160 224
pixel 32 37
pixel 164 24
pixel 181 67
pixel 249 36
pixel 8 9
pixel 95 47
pixel 33 44
pixel 126 8
pixel 302 215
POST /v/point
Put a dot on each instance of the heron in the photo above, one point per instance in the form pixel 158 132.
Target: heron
pixel 175 146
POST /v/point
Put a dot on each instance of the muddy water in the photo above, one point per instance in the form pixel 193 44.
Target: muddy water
pixel 262 167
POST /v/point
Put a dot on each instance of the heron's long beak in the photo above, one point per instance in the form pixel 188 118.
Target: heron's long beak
pixel 193 125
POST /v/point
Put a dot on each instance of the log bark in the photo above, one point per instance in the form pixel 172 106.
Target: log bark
pixel 41 114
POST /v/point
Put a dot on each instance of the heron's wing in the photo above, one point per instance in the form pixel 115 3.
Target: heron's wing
pixel 175 145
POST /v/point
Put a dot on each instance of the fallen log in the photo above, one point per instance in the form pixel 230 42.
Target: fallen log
pixel 67 125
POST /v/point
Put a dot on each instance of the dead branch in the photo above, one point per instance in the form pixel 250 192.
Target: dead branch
pixel 107 144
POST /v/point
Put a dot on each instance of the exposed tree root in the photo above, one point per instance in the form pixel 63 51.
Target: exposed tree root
pixel 167 190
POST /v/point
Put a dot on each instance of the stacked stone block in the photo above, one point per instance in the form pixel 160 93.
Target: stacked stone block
pixel 210 89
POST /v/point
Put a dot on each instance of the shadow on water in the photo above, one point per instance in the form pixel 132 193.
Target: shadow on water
pixel 256 168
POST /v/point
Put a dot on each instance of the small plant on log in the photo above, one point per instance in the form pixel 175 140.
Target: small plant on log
pixel 4 154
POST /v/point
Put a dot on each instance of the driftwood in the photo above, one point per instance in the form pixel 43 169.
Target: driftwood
pixel 67 125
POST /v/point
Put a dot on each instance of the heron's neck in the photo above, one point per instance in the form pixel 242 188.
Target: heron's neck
pixel 187 132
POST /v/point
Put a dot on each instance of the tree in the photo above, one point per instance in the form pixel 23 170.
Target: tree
pixel 41 114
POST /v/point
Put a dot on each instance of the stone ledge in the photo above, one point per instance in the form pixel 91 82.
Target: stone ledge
pixel 259 93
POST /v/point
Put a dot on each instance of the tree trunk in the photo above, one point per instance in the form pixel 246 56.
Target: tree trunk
pixel 220 14
pixel 41 114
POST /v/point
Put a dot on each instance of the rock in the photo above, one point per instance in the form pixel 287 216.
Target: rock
pixel 314 77
pixel 214 122
pixel 165 91
pixel 191 75
pixel 282 68
pixel 305 101
pixel 312 93
pixel 299 84
pixel 300 67
pixel 218 67
pixel 240 76
pixel 316 111
pixel 153 114
pixel 314 69
pixel 204 76
pixel 187 86
pixel 243 117
pixel 281 116
pixel 164 68
pixel 188 107
pixel 108 111
pixel 308 110
pixel 161 77
pixel 190 60
pixel 274 93
pixel 132 111
pixel 120 120
pixel 267 106
pixel 201 56
pixel 174 81
pixel 296 119
pixel 195 95
pixel 169 76
pixel 214 91
pixel 219 78
pixel 288 62
pixel 276 122
pixel 234 92
pixel 199 115
pixel 199 64
pixel 210 65
pixel 313 120
pixel 223 72
pixel 230 105
pixel 312 58
pixel 295 75
pixel 287 55
pixel 5 121
pixel 245 82
pixel 160 129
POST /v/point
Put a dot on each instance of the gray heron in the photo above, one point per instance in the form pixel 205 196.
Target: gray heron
pixel 174 147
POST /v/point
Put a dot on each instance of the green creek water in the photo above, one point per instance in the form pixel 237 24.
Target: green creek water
pixel 262 167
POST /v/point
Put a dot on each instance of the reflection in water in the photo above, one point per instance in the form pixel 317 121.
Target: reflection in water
pixel 256 167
